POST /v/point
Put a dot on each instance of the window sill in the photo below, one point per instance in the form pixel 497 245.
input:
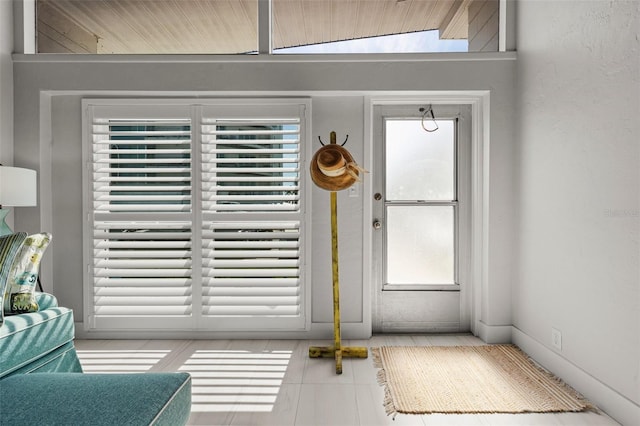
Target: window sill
pixel 274 58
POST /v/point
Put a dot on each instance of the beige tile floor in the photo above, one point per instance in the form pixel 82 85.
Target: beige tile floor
pixel 274 382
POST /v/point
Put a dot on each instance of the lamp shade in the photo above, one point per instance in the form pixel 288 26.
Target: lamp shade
pixel 17 187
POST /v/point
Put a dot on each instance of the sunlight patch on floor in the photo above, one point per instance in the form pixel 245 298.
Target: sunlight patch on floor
pixel 236 380
pixel 120 361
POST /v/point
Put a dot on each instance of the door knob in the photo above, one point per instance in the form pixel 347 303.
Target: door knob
pixel 377 224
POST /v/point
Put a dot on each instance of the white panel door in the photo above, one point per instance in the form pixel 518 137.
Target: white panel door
pixel 421 179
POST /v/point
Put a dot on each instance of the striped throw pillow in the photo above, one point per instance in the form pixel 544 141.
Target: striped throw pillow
pixel 9 248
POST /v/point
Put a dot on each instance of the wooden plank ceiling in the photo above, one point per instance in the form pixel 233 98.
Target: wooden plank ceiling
pixel 230 26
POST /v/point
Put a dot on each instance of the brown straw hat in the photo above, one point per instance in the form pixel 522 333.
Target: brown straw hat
pixel 333 168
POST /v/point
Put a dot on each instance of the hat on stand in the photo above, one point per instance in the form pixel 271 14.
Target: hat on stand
pixel 333 168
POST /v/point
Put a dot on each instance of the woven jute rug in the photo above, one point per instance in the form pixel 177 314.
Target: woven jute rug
pixel 469 379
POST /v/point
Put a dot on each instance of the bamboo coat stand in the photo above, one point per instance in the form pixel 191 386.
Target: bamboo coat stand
pixel 337 351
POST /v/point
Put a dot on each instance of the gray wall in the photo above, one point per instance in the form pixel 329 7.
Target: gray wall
pixel 6 83
pixel 578 185
pixel 337 89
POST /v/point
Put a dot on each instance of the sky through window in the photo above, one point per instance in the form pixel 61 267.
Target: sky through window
pixel 416 42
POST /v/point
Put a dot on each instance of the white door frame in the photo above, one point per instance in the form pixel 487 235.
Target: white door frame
pixel 479 101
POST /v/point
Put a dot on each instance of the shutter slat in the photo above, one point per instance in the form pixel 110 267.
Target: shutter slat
pixel 140 301
pixel 215 309
pixel 140 272
pixel 258 235
pixel 141 133
pixel 141 161
pixel 251 207
pixel 255 253
pixel 215 178
pixel 254 225
pixel 133 254
pixel 163 265
pixel 152 237
pixel 253 198
pixel 256 188
pixel 249 132
pixel 212 141
pixel 102 143
pixel 147 198
pixel 279 170
pixel 251 244
pixel 244 160
pixel 118 225
pixel 252 151
pixel 152 189
pixel 142 208
pixel 138 294
pixel 106 244
pixel 256 293
pixel 245 300
pixel 250 264
pixel 255 282
pixel 142 282
pixel 253 273
pixel 156 151
pixel 140 310
pixel 141 121
pixel 125 179
pixel 143 170
pixel 246 121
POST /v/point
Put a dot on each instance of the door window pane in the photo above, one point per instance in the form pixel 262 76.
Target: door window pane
pixel 420 245
pixel 420 165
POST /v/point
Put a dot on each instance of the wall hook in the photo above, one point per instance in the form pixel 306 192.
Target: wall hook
pixel 424 112
pixel 345 141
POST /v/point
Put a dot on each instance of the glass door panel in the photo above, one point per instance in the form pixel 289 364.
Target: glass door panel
pixel 419 165
pixel 420 245
pixel 420 202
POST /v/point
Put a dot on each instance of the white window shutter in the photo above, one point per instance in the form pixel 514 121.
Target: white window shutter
pixel 251 269
pixel 142 268
pixel 142 260
pixel 251 202
pixel 141 165
pixel 251 164
pixel 195 227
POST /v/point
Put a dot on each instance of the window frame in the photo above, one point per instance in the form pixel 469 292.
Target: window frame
pixel 193 108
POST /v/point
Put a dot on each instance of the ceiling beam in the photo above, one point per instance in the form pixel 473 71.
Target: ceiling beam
pixel 455 20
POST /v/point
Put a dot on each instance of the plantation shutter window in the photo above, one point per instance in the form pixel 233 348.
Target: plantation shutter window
pixel 252 215
pixel 195 218
pixel 141 188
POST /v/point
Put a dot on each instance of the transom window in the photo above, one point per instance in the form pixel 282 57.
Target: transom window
pixel 266 26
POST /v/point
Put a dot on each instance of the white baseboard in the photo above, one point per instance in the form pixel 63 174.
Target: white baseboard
pixel 608 400
pixel 493 333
